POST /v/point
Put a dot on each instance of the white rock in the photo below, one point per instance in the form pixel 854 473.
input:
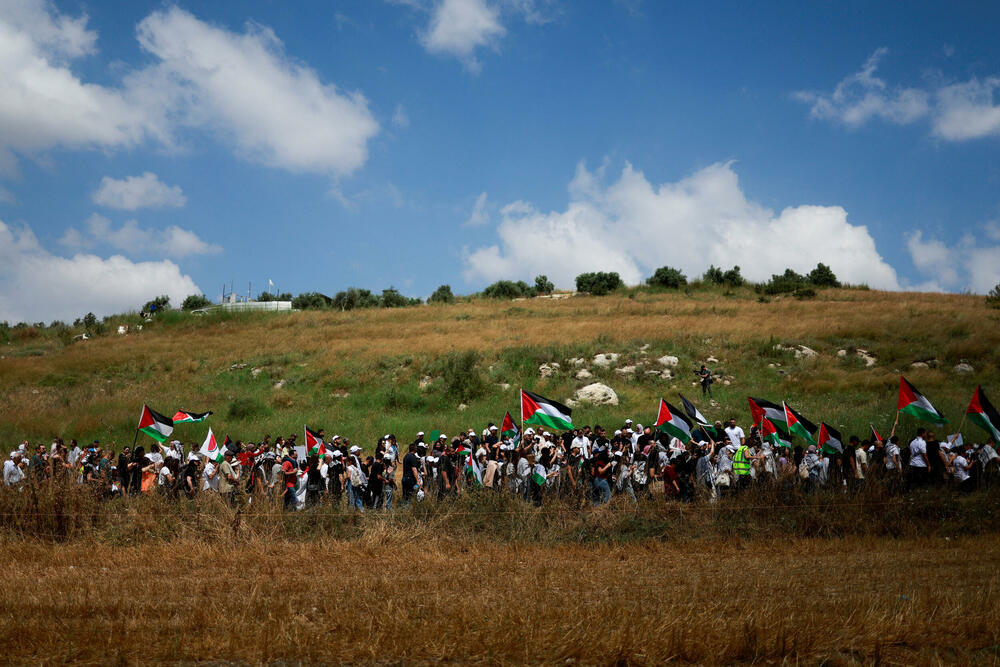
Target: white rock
pixel 770 365
pixel 803 352
pixel 576 361
pixel 841 354
pixel 605 360
pixel 280 384
pixel 726 382
pixel 340 394
pixel 425 382
pixel 462 407
pixel 866 356
pixel 711 360
pixel 237 367
pixel 644 347
pixel 504 386
pixel 964 368
pixel 919 364
pixel 548 370
pixel 584 374
pixel 596 394
pixel 625 370
pixel 656 373
pixel 570 403
pixel 667 374
pixel 669 361
pixel 255 372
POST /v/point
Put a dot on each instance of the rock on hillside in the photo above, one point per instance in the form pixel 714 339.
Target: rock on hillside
pixel 596 394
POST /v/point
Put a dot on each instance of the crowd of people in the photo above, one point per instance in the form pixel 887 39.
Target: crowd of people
pixel 588 464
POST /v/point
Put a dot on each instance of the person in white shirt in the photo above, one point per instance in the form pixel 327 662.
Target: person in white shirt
pixel 13 469
pixel 210 476
pixel 735 434
pixel 960 465
pixel 918 459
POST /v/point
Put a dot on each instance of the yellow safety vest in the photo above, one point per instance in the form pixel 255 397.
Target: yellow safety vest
pixel 741 464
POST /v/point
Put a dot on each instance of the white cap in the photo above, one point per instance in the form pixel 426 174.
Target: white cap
pixel 192 457
pixel 354 449
pixel 472 431
pixel 337 453
pixel 335 438
pixel 628 421
pixel 385 437
pixel 442 437
pixel 494 428
pixel 529 431
pixel 618 432
pixel 638 427
pixel 419 433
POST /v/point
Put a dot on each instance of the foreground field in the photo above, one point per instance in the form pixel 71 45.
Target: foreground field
pixel 375 600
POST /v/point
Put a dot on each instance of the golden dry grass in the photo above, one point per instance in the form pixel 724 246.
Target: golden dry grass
pixel 385 599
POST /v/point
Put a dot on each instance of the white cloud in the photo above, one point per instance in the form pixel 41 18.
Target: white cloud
pixel 132 239
pixel 633 227
pixel 957 111
pixel 459 27
pixel 275 110
pixel 480 212
pixel 36 285
pixel 240 85
pixel 970 264
pixel 43 104
pixel 135 192
pixel 968 110
pixel 400 119
pixel 863 96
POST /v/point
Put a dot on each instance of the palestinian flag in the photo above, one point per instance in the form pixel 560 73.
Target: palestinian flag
pixel 982 413
pixel 543 411
pixel 314 443
pixel 799 425
pixel 670 419
pixel 229 444
pixel 185 416
pixel 155 425
pixel 915 404
pixel 761 409
pixel 537 479
pixel 508 429
pixel 472 467
pixel 210 449
pixel 697 417
pixel 770 434
pixel 875 434
pixel 830 439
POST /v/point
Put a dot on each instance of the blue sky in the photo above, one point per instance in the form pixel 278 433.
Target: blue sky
pixel 151 148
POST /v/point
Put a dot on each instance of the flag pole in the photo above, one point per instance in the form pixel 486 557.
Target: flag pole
pixel 959 431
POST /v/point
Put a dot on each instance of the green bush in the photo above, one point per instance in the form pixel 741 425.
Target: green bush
pixel 310 301
pixel 823 276
pixel 267 296
pixel 506 289
pixel 993 298
pixel 161 302
pixel 598 283
pixel 543 285
pixel 442 295
pixel 667 276
pixel 195 301
pixel 245 407
pixel 462 379
pixel 730 278
pixel 787 282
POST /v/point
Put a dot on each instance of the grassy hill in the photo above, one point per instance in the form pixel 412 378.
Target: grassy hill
pixel 365 373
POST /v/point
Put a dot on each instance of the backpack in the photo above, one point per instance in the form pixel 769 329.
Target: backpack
pixel 803 470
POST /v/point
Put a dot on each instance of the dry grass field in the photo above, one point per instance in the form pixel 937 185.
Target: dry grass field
pixel 434 600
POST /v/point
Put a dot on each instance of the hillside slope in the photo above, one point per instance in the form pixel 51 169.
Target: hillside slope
pixel 365 373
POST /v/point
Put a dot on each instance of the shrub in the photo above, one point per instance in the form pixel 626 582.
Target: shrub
pixel 543 285
pixel 462 379
pixel 804 293
pixel 730 278
pixel 598 283
pixel 506 289
pixel 195 301
pixel 90 321
pixel 267 296
pixel 993 298
pixel 352 298
pixel 823 276
pixel 245 407
pixel 391 298
pixel 442 295
pixel 667 276
pixel 310 301
pixel 787 282
pixel 161 302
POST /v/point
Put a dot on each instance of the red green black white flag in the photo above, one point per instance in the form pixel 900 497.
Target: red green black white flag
pixel 210 449
pixel 186 416
pixel 673 421
pixel 155 425
pixel 915 404
pixel 982 413
pixel 314 443
pixel 543 411
pixel 508 429
pixel 799 425
pixel 830 439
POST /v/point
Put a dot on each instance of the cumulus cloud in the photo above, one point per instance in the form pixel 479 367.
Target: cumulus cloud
pixel 242 86
pixel 968 110
pixel 36 285
pixel 480 212
pixel 863 96
pixel 633 227
pixel 277 111
pixel 135 192
pixel 957 111
pixel 971 264
pixel 459 27
pixel 43 104
pixel 132 239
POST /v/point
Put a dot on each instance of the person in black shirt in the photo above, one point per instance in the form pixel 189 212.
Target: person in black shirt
pixel 376 482
pixel 446 473
pixel 411 473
